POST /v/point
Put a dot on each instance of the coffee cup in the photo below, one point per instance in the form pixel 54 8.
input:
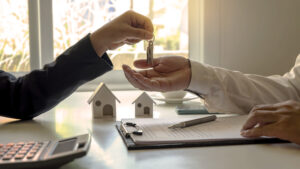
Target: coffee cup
pixel 174 94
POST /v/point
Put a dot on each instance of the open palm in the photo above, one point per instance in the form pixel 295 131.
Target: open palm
pixel 167 74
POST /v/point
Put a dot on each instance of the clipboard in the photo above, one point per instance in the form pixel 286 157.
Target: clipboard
pixel 131 145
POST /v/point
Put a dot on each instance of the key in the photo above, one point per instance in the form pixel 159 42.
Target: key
pixel 150 51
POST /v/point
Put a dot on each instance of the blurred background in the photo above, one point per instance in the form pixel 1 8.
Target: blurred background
pixel 74 19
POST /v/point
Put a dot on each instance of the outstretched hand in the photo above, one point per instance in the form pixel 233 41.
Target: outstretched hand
pixel 167 74
pixel 281 120
pixel 128 28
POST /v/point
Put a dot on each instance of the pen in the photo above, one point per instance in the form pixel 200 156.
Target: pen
pixel 194 122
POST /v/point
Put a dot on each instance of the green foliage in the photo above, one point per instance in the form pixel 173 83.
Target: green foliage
pixel 14 43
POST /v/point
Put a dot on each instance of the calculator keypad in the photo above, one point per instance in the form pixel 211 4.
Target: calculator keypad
pixel 19 151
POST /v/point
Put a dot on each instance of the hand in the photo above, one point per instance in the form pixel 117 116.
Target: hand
pixel 281 120
pixel 167 74
pixel 128 28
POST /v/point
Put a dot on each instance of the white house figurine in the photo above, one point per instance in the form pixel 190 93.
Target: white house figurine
pixel 144 105
pixel 103 102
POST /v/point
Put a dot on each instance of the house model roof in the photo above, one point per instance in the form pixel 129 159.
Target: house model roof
pixel 100 88
pixel 144 94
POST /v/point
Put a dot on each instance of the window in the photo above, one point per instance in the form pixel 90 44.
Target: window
pixel 74 19
pixel 14 36
pixel 34 32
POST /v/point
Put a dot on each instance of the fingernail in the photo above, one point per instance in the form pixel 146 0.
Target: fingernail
pixel 244 132
pixel 149 35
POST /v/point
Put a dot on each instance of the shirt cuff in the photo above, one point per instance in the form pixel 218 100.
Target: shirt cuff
pixel 200 79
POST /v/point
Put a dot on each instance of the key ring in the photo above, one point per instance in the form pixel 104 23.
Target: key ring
pixel 152 40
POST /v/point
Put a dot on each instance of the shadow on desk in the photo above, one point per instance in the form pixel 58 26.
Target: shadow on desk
pixel 39 129
pixel 104 134
pixel 27 131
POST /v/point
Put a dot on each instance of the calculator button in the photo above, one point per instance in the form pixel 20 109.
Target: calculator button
pixel 7 157
pixel 20 143
pixel 30 156
pixel 5 149
pixel 22 152
pixel 27 146
pixel 25 149
pixel 10 144
pixel 19 156
pixel 30 143
pixel 35 148
pixel 17 147
pixel 11 153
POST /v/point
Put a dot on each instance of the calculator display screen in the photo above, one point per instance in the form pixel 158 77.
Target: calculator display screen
pixel 64 146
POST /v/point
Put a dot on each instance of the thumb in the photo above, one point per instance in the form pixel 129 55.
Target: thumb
pixel 142 63
pixel 138 33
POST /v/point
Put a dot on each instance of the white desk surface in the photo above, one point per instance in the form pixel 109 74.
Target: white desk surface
pixel 73 116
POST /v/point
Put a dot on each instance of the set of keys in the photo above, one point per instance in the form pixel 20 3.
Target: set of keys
pixel 150 51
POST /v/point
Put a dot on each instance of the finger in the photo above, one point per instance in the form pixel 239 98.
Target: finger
pixel 149 73
pixel 142 22
pixel 153 85
pixel 260 117
pixel 267 130
pixel 288 103
pixel 288 107
pixel 115 45
pixel 142 63
pixel 264 107
pixel 128 43
pixel 138 33
pixel 134 82
pixel 133 41
pixel 273 106
pixel 129 75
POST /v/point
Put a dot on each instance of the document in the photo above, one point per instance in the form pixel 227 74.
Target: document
pixel 156 131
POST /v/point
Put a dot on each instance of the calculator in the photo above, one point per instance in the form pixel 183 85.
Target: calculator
pixel 43 154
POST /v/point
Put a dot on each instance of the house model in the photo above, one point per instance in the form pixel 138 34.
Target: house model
pixel 103 102
pixel 144 105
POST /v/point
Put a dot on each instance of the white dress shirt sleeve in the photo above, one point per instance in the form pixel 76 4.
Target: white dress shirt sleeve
pixel 230 91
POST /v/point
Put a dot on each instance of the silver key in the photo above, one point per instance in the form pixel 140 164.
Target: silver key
pixel 150 52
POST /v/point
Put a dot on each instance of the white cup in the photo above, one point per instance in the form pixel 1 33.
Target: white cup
pixel 174 94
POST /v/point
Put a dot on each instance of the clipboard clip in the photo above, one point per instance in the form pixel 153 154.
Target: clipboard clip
pixel 137 131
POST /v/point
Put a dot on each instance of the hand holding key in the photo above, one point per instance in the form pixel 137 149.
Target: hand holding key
pixel 128 28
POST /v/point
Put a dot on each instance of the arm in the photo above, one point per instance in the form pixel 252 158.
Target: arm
pixel 40 90
pixel 234 92
pixel 223 90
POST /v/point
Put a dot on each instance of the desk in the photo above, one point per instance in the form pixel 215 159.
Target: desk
pixel 73 116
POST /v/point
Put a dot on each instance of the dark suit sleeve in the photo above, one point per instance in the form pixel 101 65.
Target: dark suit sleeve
pixel 40 90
